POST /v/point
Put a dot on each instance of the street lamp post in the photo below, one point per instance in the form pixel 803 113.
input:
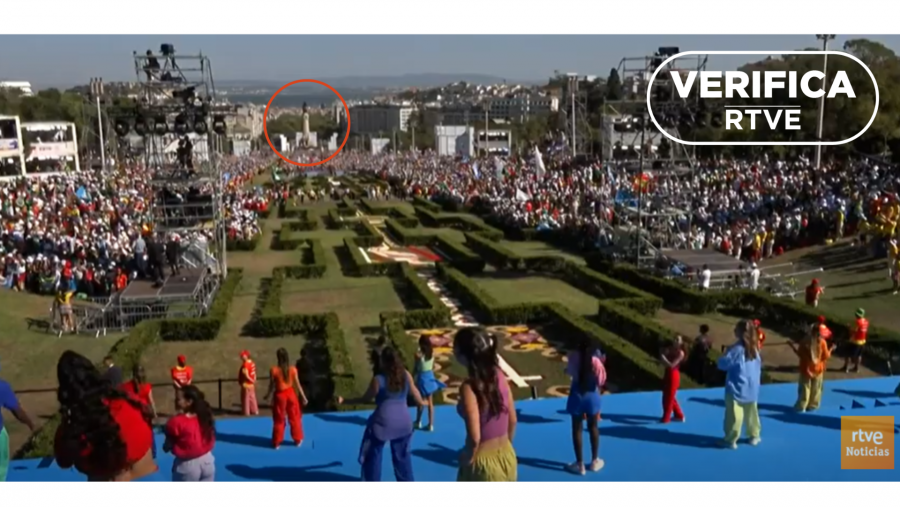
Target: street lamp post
pixel 824 38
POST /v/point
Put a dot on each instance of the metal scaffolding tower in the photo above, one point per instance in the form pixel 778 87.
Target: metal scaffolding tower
pixel 574 115
pixel 183 132
pixel 654 175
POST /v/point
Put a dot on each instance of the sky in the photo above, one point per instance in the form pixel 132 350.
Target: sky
pixel 67 60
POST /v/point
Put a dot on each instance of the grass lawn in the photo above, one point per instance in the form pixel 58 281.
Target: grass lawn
pixel 509 288
pixel 539 248
pixel 357 302
pixel 779 359
pixel 28 357
pixel 851 279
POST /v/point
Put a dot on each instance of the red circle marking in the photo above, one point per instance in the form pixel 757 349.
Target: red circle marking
pixel 266 122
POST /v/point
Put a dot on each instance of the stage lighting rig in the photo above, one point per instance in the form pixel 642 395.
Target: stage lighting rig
pixel 122 126
pixel 161 125
pixel 181 125
pixel 219 126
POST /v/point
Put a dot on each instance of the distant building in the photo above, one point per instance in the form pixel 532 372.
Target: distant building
pixel 454 141
pixel 24 87
pixel 497 142
pixel 250 119
pixel 521 108
pixel 453 116
pixel 379 118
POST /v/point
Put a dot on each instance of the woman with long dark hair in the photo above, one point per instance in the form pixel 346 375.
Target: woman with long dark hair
pixel 103 432
pixel 487 407
pixel 390 422
pixel 426 382
pixel 588 377
pixel 191 436
pixel 141 389
pixel 284 383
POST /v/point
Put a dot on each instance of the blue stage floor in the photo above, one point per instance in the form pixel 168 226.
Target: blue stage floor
pixel 795 447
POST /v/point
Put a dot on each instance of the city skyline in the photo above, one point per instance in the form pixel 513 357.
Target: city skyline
pixel 60 61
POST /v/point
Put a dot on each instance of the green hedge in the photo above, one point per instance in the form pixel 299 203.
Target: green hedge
pixel 346 207
pixel 622 309
pixel 628 364
pixel 245 245
pixel 284 239
pixel 459 256
pixel 128 350
pixel 400 214
pixel 312 258
pixel 465 223
pixel 787 316
pixel 419 201
pixel 204 328
pixel 407 236
pixel 269 321
pixel 336 220
pixel 427 310
pixel 360 267
pixel 367 235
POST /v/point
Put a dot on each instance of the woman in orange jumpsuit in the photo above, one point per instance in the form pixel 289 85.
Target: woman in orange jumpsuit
pixel 286 405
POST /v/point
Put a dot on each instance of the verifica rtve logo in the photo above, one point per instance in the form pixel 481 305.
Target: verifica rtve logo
pixel 721 86
pixel 867 443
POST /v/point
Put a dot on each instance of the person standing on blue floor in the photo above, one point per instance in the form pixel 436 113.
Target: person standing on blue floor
pixel 8 401
pixel 426 382
pixel 742 365
pixel 390 422
pixel 486 405
pixel 588 377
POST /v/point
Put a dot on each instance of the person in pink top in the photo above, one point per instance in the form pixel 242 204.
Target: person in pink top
pixel 191 436
pixel 487 407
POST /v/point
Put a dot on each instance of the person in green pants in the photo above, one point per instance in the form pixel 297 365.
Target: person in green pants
pixel 742 365
pixel 9 402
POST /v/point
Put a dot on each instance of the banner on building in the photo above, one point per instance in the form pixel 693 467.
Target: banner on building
pixel 50 140
pixel 10 143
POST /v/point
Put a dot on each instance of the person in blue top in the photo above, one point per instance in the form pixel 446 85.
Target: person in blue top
pixel 8 401
pixel 585 366
pixel 426 382
pixel 742 365
pixel 390 422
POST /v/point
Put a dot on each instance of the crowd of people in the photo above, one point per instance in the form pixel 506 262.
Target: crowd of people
pixel 750 209
pixel 84 229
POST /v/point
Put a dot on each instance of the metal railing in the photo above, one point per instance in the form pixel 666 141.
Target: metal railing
pixel 219 382
pixel 220 385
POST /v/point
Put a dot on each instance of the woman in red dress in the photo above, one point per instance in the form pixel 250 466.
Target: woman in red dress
pixel 104 433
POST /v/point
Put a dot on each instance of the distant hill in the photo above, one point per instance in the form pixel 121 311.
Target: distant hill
pixel 426 80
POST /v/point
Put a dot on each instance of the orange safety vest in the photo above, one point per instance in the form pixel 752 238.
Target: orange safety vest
pixel 761 336
pixel 182 375
pixel 861 331
pixel 247 375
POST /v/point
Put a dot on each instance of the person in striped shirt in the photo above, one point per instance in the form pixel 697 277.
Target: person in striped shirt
pixel 247 379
